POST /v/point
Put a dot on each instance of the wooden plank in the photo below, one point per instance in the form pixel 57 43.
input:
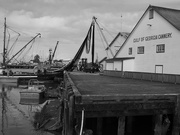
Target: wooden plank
pixel 128 97
pixel 176 123
pixel 137 75
pixel 125 106
pixel 121 125
pixel 177 79
pixel 128 75
pixel 74 89
pixel 146 76
pixel 116 113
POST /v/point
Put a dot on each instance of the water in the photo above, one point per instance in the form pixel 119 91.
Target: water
pixel 17 118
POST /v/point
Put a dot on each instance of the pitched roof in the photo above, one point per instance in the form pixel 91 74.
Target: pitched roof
pixel 171 15
pixel 117 59
pixel 103 60
pixel 123 34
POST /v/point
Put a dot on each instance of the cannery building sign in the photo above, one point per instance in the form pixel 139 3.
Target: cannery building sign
pixel 153 37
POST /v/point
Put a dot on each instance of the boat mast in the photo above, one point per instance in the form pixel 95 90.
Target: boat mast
pixel 4 45
pixel 93 41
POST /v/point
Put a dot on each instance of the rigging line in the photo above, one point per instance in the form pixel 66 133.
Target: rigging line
pixel 21 32
pixel 12 47
pixel 19 54
pixel 22 52
pixel 105 26
pixel 107 44
pixel 7 45
pixel 105 29
pixel 28 49
pixel 12 30
pixel 102 41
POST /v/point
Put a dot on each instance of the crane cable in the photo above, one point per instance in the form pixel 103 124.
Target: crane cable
pixel 103 37
pixel 102 42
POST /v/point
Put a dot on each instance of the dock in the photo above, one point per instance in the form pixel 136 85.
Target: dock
pixel 103 105
pixel 15 79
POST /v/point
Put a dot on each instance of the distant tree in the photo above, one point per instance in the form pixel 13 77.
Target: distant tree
pixel 36 58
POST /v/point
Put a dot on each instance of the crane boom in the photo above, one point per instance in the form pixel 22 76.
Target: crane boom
pixel 55 50
pixel 23 48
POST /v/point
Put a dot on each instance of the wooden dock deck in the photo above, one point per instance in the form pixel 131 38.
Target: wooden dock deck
pixel 103 97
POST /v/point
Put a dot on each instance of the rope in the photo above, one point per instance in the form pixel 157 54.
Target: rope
pixel 8 39
pixel 12 47
pixel 82 122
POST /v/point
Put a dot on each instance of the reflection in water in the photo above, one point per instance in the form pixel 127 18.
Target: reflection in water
pixel 3 94
pixel 16 118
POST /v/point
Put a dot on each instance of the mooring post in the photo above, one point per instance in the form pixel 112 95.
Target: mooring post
pixel 121 125
pixel 158 124
pixel 176 123
pixel 71 115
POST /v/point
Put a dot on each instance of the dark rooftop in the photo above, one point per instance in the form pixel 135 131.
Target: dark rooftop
pixel 171 15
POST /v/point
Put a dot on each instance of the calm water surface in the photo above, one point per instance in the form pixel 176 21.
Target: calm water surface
pixel 17 118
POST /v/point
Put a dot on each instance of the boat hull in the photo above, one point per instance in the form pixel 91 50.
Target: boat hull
pixel 9 79
pixel 32 94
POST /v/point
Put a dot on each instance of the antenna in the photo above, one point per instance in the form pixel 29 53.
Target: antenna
pixel 121 23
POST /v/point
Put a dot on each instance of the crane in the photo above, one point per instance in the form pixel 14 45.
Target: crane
pixel 51 57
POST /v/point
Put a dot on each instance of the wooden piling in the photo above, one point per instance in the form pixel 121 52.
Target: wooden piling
pixel 99 125
pixel 117 98
pixel 121 125
pixel 176 123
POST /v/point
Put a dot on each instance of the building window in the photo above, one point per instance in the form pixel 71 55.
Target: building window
pixel 130 51
pixel 140 50
pixel 151 13
pixel 160 48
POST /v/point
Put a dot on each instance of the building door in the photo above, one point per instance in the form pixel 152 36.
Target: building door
pixel 159 69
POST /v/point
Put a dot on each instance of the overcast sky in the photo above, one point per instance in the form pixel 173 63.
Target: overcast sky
pixel 68 21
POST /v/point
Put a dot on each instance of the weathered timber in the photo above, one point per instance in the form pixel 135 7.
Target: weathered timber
pixel 176 124
pixel 103 96
pixel 121 125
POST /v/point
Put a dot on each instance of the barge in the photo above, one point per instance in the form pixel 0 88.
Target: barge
pixel 102 105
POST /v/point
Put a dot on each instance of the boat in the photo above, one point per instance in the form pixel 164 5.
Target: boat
pixel 9 69
pixel 34 91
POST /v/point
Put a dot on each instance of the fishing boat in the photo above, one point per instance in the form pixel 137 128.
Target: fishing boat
pixel 34 91
pixel 9 69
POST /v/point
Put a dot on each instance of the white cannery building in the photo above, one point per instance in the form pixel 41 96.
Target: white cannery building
pixel 153 45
